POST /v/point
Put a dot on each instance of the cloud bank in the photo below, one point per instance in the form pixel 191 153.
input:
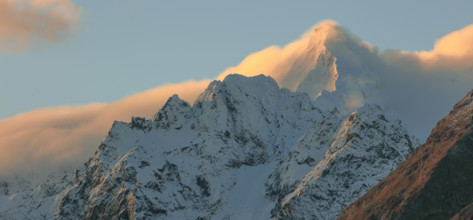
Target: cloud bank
pixel 424 86
pixel 24 23
pixel 46 139
pixel 421 87
pixel 454 50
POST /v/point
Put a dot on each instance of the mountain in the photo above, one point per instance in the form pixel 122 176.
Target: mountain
pixel 435 180
pixel 236 153
pixel 246 149
pixel 201 161
pixel 333 67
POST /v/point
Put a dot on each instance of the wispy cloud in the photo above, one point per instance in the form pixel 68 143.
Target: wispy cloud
pixel 24 23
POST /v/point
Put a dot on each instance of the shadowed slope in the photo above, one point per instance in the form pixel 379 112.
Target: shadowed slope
pixel 465 213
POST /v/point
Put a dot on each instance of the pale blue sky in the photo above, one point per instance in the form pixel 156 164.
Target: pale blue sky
pixel 127 46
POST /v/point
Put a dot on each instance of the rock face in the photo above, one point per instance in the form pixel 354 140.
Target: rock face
pixel 434 182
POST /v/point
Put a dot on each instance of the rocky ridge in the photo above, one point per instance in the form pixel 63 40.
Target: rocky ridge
pixel 245 144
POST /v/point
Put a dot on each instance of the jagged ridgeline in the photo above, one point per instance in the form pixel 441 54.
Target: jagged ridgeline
pixel 246 149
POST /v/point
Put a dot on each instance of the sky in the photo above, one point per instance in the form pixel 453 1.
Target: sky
pixel 69 68
pixel 114 49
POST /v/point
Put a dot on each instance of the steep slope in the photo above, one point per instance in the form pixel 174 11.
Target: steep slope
pixel 434 182
pixel 307 152
pixel 365 149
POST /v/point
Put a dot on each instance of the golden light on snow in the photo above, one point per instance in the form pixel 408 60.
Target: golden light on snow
pixel 292 63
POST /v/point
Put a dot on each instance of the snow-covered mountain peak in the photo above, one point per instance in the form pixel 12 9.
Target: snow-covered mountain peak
pixel 173 114
pixel 237 85
pixel 311 68
pixel 245 144
pixel 366 148
pixel 256 112
pixel 333 67
pixel 322 34
pixel 201 156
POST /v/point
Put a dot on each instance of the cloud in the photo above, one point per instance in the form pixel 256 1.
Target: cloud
pixel 290 65
pixel 45 139
pixel 458 45
pixel 313 64
pixel 452 52
pixel 24 23
pixel 421 87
